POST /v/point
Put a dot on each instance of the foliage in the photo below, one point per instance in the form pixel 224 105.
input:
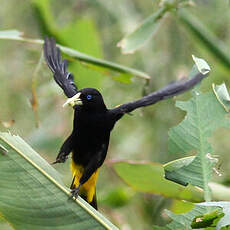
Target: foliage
pixel 151 180
pixel 204 115
pixel 16 35
pixel 143 33
pixel 162 35
pixel 182 221
pixel 224 220
pixel 32 190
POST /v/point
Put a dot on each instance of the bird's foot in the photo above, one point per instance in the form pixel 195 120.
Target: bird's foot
pixel 75 191
pixel 60 159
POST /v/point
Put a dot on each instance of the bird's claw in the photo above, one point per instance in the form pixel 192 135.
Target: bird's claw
pixel 75 191
pixel 60 159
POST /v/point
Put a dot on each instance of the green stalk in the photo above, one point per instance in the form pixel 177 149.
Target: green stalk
pixel 214 45
pixel 15 35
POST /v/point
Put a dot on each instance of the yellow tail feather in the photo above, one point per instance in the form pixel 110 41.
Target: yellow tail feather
pixel 88 189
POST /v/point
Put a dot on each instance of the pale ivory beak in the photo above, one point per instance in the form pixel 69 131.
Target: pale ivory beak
pixel 75 100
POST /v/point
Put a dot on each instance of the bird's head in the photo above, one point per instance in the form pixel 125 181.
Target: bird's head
pixel 89 99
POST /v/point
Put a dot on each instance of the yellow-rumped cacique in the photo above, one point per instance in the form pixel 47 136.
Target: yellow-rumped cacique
pixel 93 121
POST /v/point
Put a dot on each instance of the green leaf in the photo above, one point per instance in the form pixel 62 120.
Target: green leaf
pixel 177 164
pixel 82 35
pixel 123 78
pixel 225 205
pixel 32 195
pixel 149 177
pixel 7 35
pixel 106 64
pixel 222 95
pixel 182 221
pixel 219 191
pixel 181 206
pixel 201 65
pixel 143 33
pixel 207 220
pixel 204 115
pixel 172 166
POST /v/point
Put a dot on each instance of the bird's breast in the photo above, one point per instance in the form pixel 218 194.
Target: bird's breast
pixel 88 144
pixel 93 122
pixel 91 133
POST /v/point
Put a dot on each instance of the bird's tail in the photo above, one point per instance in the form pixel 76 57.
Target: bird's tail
pixel 88 189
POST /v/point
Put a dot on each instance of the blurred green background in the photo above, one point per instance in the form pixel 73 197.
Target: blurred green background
pixel 95 27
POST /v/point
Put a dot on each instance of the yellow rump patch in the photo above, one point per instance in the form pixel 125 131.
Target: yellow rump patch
pixel 88 188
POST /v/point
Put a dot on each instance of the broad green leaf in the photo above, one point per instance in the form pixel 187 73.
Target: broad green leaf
pixel 143 33
pixel 207 220
pixel 32 195
pixel 149 178
pixel 219 191
pixel 123 78
pixel 102 63
pixel 204 115
pixel 222 95
pixel 177 164
pixel 225 205
pixel 80 35
pixel 172 166
pixel 8 35
pixel 181 206
pixel 182 221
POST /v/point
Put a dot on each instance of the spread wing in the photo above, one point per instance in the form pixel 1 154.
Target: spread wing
pixel 168 91
pixel 59 68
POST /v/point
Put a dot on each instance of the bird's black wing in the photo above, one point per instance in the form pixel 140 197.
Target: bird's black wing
pixel 59 68
pixel 168 91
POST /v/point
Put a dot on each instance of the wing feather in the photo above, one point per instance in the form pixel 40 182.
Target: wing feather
pixel 53 59
pixel 168 91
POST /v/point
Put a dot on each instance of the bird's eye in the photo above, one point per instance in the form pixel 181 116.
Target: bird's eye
pixel 89 97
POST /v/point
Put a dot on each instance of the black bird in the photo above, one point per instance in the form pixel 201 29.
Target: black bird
pixel 93 121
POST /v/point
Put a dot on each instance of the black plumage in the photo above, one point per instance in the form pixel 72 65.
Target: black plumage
pixel 93 122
